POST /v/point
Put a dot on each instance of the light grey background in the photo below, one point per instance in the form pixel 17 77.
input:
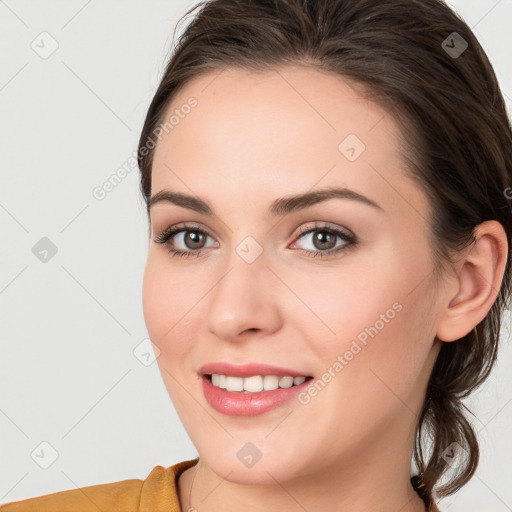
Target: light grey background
pixel 70 325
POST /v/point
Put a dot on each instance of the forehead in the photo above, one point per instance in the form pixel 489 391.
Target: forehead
pixel 279 132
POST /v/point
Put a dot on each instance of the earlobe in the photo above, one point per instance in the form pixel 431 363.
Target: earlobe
pixel 479 277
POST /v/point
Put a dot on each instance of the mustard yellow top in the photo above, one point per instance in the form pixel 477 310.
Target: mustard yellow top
pixel 157 493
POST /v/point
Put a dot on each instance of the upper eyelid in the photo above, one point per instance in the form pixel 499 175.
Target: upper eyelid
pixel 327 226
pixel 178 228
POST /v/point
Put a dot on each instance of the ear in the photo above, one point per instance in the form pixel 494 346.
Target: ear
pixel 479 274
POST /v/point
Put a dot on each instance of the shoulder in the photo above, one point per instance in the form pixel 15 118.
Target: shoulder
pixel 125 494
pixel 157 492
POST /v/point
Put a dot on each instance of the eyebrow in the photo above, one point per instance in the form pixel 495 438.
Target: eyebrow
pixel 281 206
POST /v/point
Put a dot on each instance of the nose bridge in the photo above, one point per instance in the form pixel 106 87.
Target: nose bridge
pixel 240 298
pixel 246 265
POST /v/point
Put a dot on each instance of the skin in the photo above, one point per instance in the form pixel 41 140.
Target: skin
pixel 253 138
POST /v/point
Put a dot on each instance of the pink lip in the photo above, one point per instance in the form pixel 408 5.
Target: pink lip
pixel 248 370
pixel 242 403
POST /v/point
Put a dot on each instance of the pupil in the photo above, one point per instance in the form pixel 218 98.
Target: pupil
pixel 323 238
pixel 193 237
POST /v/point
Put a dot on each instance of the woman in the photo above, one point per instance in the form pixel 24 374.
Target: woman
pixel 326 185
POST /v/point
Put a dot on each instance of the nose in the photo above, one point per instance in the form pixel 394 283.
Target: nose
pixel 244 301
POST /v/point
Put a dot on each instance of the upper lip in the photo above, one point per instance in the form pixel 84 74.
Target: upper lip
pixel 248 370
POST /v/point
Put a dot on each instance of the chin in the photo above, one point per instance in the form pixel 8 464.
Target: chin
pixel 252 459
pixel 263 472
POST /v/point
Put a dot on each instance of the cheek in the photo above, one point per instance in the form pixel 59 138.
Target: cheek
pixel 156 303
pixel 402 356
pixel 350 303
pixel 169 316
pixel 174 312
pixel 376 318
pixel 384 355
pixel 167 300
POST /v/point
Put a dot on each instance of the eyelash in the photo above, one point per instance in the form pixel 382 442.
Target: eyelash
pixel 349 239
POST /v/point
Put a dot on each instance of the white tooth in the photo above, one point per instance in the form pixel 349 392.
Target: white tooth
pixel 286 382
pixel 234 383
pixel 222 381
pixel 219 380
pixel 253 384
pixel 270 382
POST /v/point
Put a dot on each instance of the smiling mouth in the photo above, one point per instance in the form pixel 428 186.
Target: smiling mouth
pixel 255 383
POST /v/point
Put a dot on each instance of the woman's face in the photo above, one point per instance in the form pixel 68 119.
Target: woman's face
pixel 340 289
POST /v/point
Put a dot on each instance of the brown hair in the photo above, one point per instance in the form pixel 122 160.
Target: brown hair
pixel 456 140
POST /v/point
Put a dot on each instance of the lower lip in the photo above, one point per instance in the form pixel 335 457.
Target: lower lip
pixel 238 403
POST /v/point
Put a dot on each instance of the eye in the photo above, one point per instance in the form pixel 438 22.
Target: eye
pixel 324 240
pixel 184 240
